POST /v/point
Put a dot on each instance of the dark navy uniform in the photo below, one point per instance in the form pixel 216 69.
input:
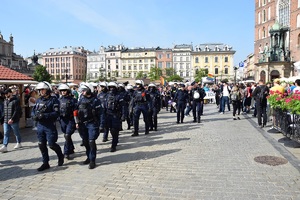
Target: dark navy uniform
pixel 181 99
pixel 46 112
pixel 67 107
pixel 197 103
pixel 154 110
pixel 89 109
pixel 140 103
pixel 102 96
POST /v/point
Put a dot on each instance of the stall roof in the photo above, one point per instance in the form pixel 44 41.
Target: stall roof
pixel 9 76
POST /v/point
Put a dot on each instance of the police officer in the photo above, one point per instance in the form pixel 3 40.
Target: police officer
pixel 156 105
pixel 102 96
pixel 197 97
pixel 87 121
pixel 129 117
pixel 173 92
pixel 140 103
pixel 46 112
pixel 113 111
pixel 67 123
pixel 125 100
pixel 181 99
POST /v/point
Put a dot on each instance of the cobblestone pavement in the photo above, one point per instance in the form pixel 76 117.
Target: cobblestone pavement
pixel 210 160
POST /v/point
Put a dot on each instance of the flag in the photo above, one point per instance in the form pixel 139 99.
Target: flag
pixel 163 81
pixel 210 75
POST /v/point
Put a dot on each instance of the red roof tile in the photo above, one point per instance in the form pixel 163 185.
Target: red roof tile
pixel 9 74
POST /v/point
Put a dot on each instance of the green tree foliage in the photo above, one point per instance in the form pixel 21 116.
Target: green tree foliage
pixel 155 73
pixel 141 75
pixel 175 78
pixel 200 74
pixel 170 71
pixel 41 74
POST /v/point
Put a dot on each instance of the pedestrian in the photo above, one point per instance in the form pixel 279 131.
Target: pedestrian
pixel 236 99
pixel 46 113
pixel 156 105
pixel 11 114
pixel 140 103
pixel 197 96
pixel 225 92
pixel 87 115
pixel 66 119
pixel 260 95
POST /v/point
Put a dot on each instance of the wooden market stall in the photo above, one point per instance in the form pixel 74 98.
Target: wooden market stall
pixel 17 81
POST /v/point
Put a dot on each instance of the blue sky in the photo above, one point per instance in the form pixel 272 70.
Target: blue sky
pixel 42 24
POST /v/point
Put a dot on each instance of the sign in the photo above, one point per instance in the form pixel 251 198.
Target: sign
pixel 210 95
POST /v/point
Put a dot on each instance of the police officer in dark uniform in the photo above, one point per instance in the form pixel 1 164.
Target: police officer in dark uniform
pixel 156 105
pixel 46 112
pixel 113 111
pixel 87 121
pixel 140 103
pixel 173 92
pixel 67 123
pixel 102 96
pixel 129 117
pixel 124 100
pixel 197 97
pixel 181 98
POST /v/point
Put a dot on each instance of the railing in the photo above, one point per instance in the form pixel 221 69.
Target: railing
pixel 287 123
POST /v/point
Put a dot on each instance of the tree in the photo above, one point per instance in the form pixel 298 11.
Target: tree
pixel 170 71
pixel 140 75
pixel 41 74
pixel 200 74
pixel 175 78
pixel 155 73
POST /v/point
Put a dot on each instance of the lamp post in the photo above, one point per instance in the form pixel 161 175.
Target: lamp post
pixel 66 78
pixel 235 69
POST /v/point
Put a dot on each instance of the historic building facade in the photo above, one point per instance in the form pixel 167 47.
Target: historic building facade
pixel 276 45
pixel 96 65
pixel 67 64
pixel 164 58
pixel 8 57
pixel 182 55
pixel 216 59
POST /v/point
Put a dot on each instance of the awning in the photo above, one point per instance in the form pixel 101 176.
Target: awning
pixel 18 82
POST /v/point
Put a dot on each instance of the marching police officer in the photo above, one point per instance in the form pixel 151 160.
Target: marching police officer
pixel 198 95
pixel 67 123
pixel 46 112
pixel 102 96
pixel 156 105
pixel 113 111
pixel 140 103
pixel 181 99
pixel 87 121
pixel 129 117
pixel 124 99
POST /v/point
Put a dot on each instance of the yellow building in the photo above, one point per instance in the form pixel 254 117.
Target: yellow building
pixel 137 60
pixel 216 59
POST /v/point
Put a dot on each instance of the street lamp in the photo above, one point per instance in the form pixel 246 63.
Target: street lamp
pixel 235 69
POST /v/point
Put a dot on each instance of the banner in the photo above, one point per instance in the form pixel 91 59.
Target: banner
pixel 163 81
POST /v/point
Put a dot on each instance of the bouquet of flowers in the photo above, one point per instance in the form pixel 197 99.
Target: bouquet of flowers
pixel 293 103
pixel 277 100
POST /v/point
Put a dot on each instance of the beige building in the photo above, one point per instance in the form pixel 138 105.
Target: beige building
pixel 216 59
pixel 96 65
pixel 67 64
pixel 249 69
pixel 137 60
pixel 8 57
pixel 113 62
pixel 182 55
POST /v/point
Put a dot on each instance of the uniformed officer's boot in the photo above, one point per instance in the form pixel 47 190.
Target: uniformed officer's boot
pixel 113 149
pixel 92 165
pixel 43 167
pixel 59 153
pixel 195 120
pixel 135 133
pixel 199 119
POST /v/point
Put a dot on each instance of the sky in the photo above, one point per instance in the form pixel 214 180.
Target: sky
pixel 38 25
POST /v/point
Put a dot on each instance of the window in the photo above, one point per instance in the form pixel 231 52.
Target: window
pixel 264 16
pixel 145 60
pixel 168 55
pixel 140 61
pixel 196 60
pixel 124 67
pixel 141 67
pixel 108 61
pixel 264 32
pixel 226 59
pixel 298 20
pixel 216 70
pixel 226 70
pixel 258 18
pixel 269 13
pixel 168 65
pixel 134 67
pixel 129 67
pixel 206 59
pixel 298 42
pixel 284 13
pixel 181 59
pixel 216 59
pixel 187 74
pixel 117 60
pixel 146 67
pixel 160 56
pixel 160 65
pixel 117 66
pixel 187 59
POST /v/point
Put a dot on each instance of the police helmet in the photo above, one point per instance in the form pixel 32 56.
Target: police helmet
pixel 43 85
pixel 121 85
pixel 103 84
pixel 86 87
pixel 129 87
pixel 63 87
pixel 152 85
pixel 139 82
pixel 112 84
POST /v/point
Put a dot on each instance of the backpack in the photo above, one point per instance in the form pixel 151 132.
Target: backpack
pixel 262 95
pixel 234 96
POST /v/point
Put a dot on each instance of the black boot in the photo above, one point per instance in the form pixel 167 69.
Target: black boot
pixel 87 161
pixel 92 165
pixel 199 119
pixel 135 133
pixel 43 167
pixel 55 147
pixel 113 149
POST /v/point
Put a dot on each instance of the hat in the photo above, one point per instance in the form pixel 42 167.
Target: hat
pixel 7 91
pixel 277 80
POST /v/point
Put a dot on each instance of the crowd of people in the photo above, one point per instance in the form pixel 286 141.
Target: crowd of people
pixel 102 109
